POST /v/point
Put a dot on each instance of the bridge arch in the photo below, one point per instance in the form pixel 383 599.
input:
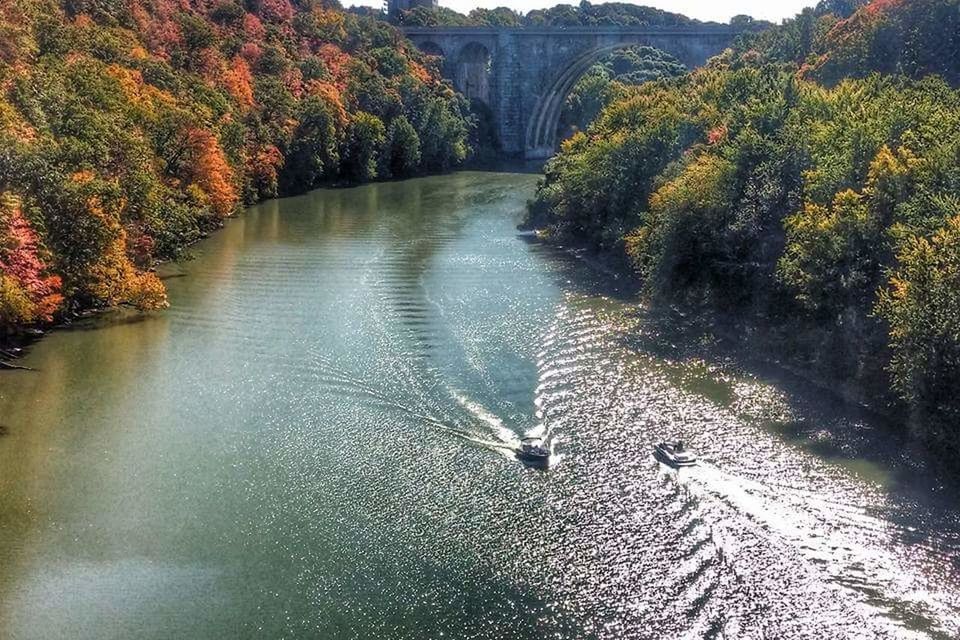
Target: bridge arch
pixel 524 74
pixel 540 140
pixel 431 48
pixel 472 71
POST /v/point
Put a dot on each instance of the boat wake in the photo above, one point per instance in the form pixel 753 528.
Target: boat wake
pixel 464 418
pixel 843 544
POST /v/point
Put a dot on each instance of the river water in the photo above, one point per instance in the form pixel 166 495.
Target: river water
pixel 316 441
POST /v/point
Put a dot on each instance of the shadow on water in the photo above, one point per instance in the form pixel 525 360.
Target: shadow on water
pixel 508 165
pixel 919 504
pixel 585 272
pixel 112 318
pixel 831 427
pixel 172 276
pixel 703 359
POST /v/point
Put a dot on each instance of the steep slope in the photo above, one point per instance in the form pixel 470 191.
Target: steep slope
pixel 129 128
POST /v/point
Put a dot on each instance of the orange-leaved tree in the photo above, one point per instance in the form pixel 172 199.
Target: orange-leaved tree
pixel 28 293
pixel 208 169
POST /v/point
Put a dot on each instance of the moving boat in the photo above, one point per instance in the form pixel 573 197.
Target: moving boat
pixel 533 451
pixel 674 454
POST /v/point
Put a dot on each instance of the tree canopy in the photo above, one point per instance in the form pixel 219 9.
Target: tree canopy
pixel 611 14
pixel 130 129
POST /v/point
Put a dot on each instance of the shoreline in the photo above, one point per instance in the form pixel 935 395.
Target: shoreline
pixel 750 349
pixel 16 345
pixel 728 331
pixel 751 357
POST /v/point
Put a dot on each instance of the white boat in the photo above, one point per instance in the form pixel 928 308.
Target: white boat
pixel 674 454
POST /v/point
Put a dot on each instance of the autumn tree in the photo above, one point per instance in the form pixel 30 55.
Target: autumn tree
pixel 129 129
pixel 28 292
pixel 207 168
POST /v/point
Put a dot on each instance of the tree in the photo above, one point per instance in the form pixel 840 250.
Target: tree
pixel 207 167
pixel 499 17
pixel 921 304
pixel 197 36
pixel 28 293
pixel 591 94
pixel 829 258
pixel 443 135
pixel 280 11
pixel 404 148
pixel 238 82
pixel 684 245
pixel 365 143
pixel 314 153
pixel 227 13
pixel 128 129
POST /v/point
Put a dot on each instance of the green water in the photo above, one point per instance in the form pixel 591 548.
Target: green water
pixel 317 441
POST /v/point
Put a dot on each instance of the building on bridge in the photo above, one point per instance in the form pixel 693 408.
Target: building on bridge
pixel 395 7
pixel 524 74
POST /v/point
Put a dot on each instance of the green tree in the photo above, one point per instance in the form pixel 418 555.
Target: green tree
pixel 314 154
pixel 443 135
pixel 921 307
pixel 404 148
pixel 365 143
pixel 499 17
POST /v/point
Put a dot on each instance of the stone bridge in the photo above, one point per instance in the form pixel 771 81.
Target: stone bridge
pixel 524 74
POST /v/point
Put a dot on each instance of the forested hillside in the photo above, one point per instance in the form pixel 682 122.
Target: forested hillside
pixel 129 128
pixel 807 182
pixel 908 37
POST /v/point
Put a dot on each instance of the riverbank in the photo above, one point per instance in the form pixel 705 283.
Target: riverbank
pixel 715 334
pixel 14 345
pixel 786 213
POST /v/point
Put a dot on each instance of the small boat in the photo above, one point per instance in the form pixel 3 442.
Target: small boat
pixel 674 454
pixel 533 451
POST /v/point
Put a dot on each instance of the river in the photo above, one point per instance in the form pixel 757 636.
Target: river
pixel 316 441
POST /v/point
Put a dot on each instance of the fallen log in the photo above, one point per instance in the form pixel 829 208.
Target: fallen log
pixel 9 366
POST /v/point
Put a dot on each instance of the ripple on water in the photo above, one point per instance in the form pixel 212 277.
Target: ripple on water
pixel 328 442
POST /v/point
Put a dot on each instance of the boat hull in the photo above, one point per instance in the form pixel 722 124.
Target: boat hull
pixel 533 460
pixel 671 459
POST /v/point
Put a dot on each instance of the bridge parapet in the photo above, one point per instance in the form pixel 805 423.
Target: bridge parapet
pixel 704 29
